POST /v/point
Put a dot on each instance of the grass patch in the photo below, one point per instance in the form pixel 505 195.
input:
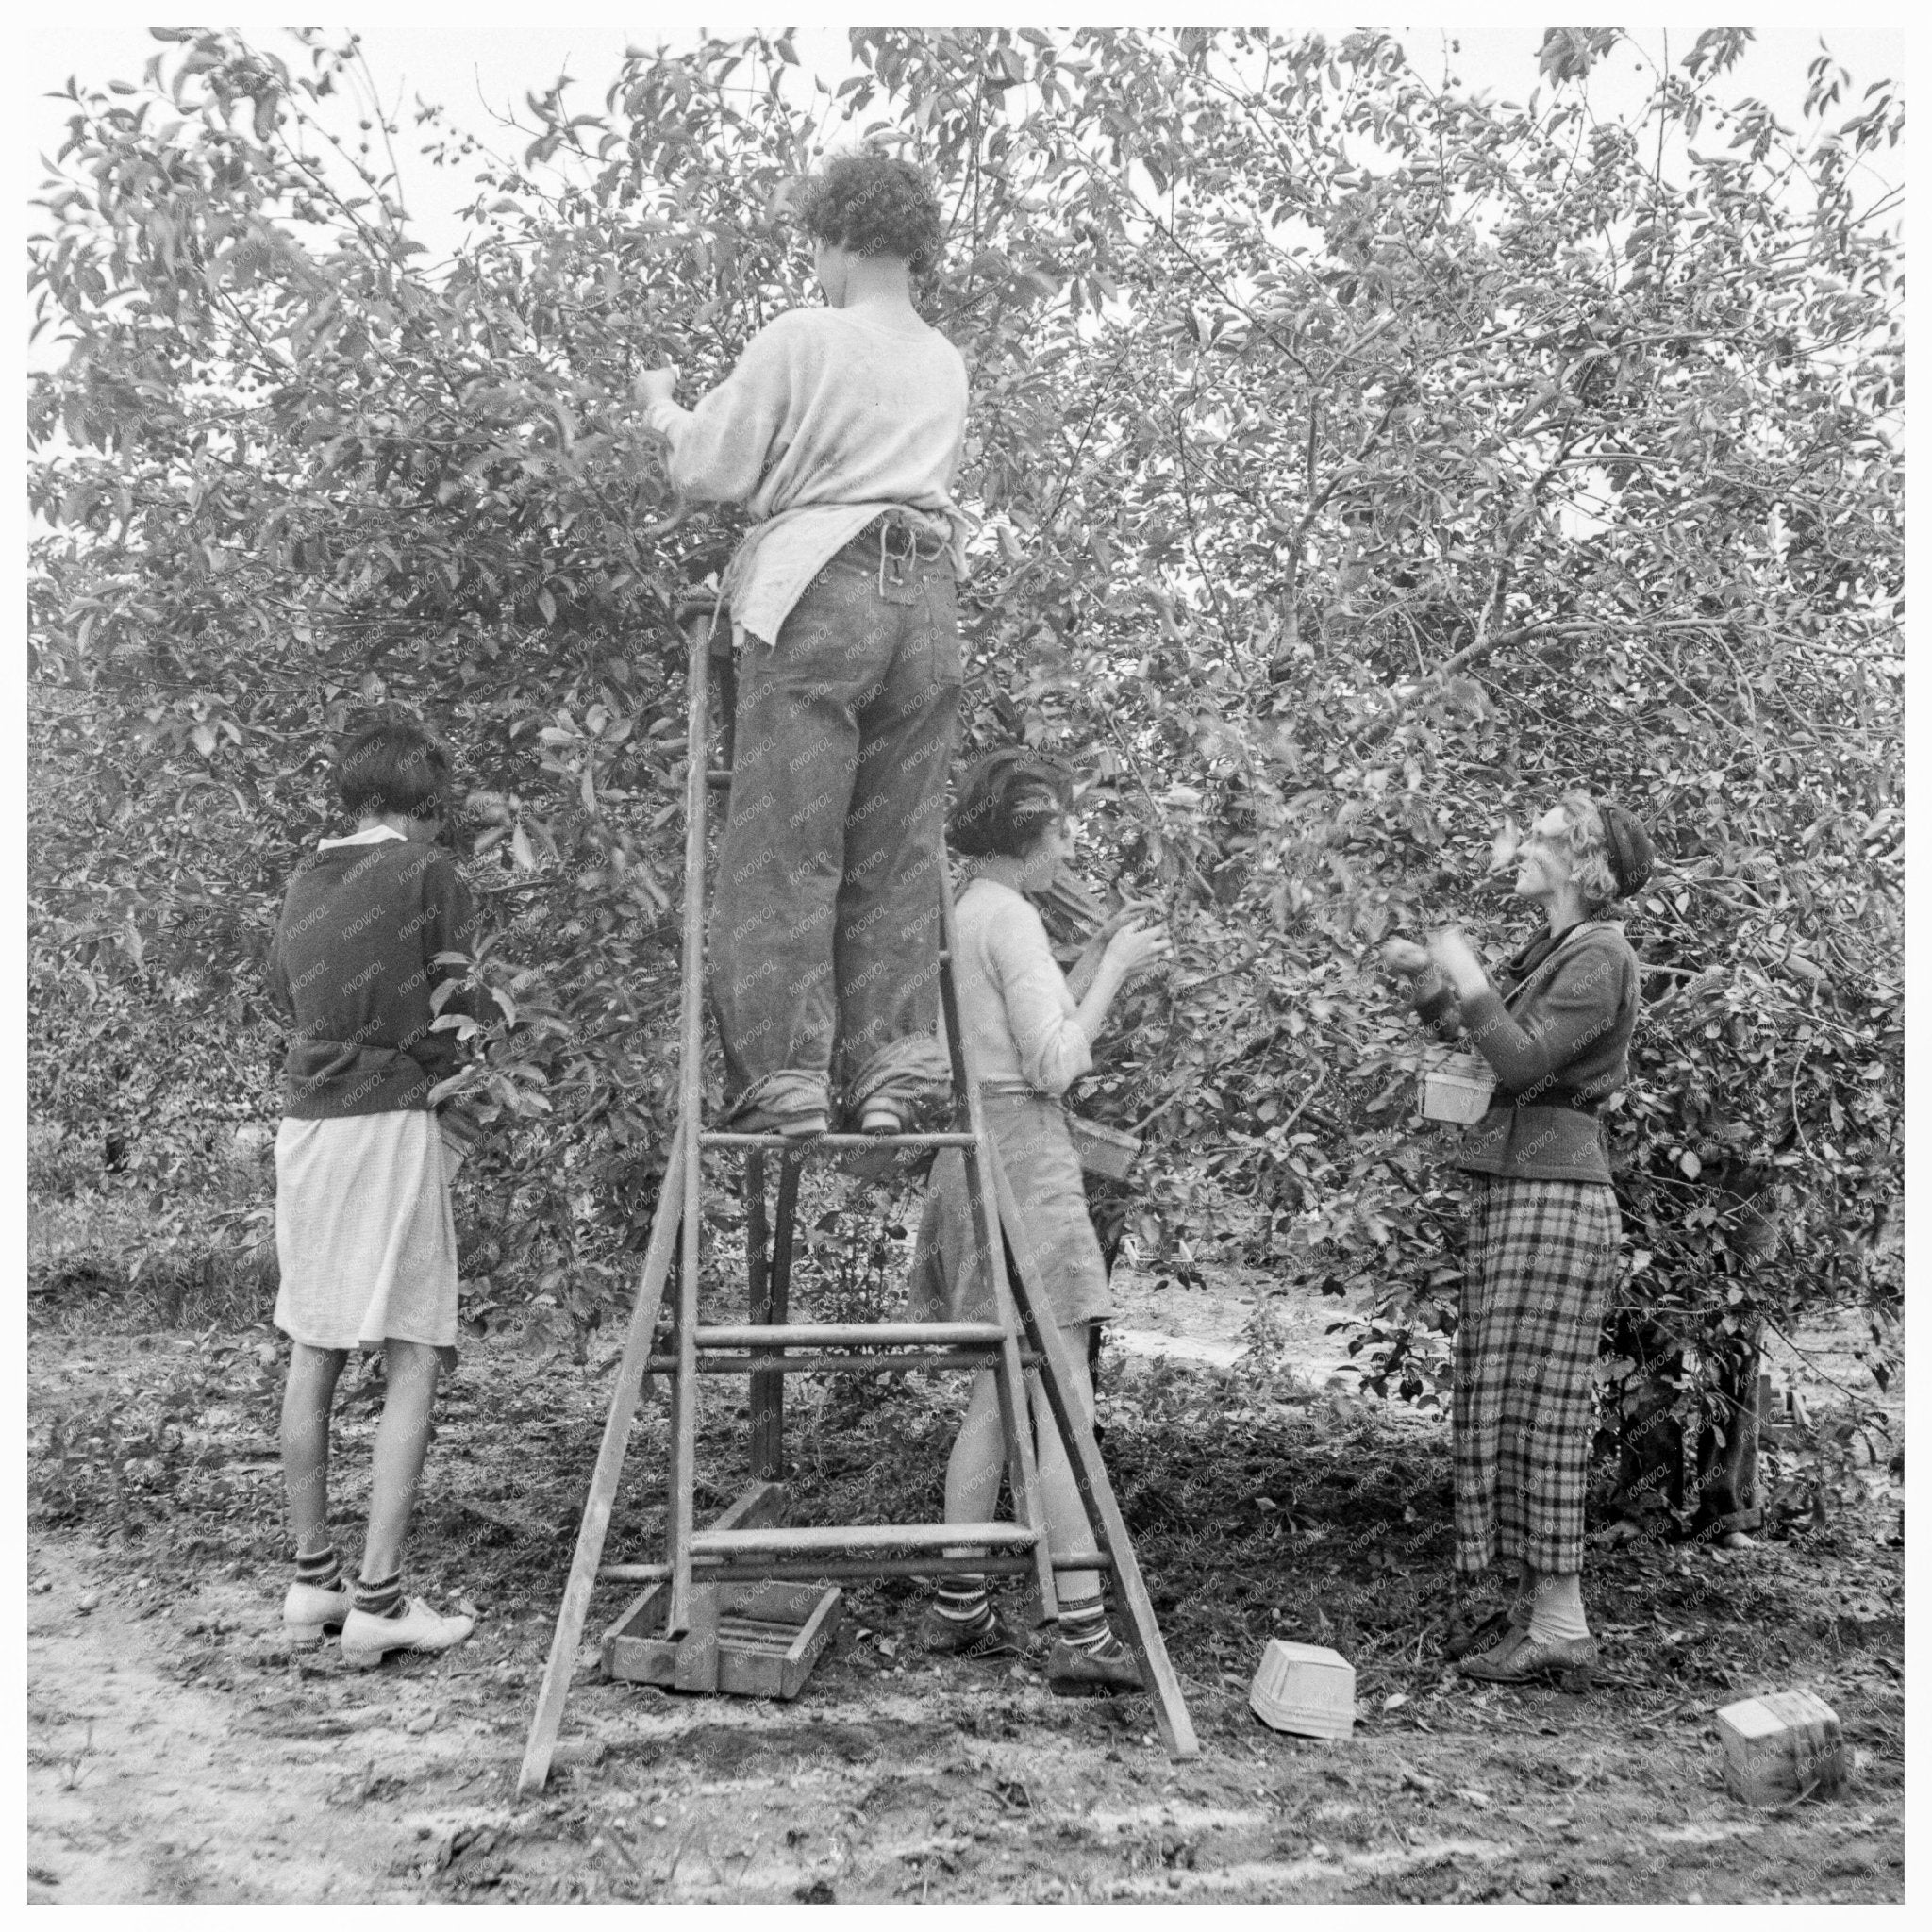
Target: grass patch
pixel 104 1259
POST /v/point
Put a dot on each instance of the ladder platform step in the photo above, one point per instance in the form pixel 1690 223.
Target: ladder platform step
pixel 709 1570
pixel 831 1144
pixel 850 1335
pixel 776 1540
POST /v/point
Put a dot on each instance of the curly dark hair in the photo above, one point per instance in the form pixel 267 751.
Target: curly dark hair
pixel 1008 799
pixel 872 204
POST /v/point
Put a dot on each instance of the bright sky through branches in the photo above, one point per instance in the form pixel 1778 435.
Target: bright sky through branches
pixel 479 76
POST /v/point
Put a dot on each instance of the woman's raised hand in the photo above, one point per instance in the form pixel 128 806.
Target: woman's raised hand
pixel 655 385
pixel 1129 914
pixel 1135 947
pixel 1455 959
pixel 1404 956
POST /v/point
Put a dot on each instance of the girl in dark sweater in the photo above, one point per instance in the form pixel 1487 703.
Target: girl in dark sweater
pixel 1555 1028
pixel 363 1232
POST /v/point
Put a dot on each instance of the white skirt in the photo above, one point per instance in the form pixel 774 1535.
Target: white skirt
pixel 364 1236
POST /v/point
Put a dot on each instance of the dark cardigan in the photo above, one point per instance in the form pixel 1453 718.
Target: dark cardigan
pixel 353 965
pixel 1556 1030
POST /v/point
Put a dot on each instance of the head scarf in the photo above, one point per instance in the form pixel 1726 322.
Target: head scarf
pixel 1629 848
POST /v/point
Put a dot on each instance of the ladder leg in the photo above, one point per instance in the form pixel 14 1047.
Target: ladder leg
pixel 604 1477
pixel 684 1382
pixel 678 1521
pixel 766 1391
pixel 768 1424
pixel 1096 1492
pixel 719 645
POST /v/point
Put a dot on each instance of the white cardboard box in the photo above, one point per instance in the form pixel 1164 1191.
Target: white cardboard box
pixel 1782 1746
pixel 1304 1687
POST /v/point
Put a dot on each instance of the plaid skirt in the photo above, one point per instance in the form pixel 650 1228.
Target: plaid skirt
pixel 1541 1258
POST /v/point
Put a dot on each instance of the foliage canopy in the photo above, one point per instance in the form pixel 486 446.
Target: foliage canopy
pixel 1362 461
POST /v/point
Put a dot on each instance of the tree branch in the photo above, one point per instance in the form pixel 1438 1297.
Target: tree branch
pixel 1487 647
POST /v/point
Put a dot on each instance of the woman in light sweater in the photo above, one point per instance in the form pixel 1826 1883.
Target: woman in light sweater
pixel 1029 1034
pixel 840 429
pixel 1543 1229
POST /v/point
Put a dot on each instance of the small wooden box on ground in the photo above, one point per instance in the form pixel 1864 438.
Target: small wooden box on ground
pixel 1782 1746
pixel 1306 1689
pixel 747 1640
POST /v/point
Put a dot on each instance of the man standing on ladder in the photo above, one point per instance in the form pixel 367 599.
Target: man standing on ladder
pixel 841 428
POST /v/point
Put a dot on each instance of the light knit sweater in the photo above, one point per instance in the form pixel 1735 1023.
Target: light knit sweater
pixel 830 417
pixel 1014 1005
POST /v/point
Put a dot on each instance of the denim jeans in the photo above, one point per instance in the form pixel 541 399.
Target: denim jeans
pixel 825 919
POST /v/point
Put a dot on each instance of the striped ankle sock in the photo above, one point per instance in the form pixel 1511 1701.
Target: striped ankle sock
pixel 1084 1627
pixel 323 1570
pixel 962 1600
pixel 382 1598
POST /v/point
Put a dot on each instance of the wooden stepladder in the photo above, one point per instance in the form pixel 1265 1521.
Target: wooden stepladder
pixel 1022 1345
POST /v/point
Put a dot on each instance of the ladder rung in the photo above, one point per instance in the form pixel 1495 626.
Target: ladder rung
pixel 853 1569
pixel 776 1540
pixel 901 1364
pixel 718 776
pixel 851 1335
pixel 836 1143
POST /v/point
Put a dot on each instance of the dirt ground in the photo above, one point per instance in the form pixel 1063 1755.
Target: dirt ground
pixel 179 1750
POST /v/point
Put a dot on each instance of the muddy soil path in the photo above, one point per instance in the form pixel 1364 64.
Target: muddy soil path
pixel 170 1764
pixel 179 1750
pixel 161 1765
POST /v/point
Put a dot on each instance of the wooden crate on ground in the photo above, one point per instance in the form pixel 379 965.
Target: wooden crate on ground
pixel 747 1640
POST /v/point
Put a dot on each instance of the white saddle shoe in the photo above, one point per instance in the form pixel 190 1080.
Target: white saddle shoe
pixel 367 1639
pixel 310 1612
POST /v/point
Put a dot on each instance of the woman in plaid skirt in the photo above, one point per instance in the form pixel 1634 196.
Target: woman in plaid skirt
pixel 1555 1027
